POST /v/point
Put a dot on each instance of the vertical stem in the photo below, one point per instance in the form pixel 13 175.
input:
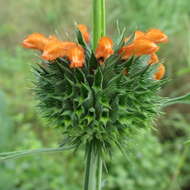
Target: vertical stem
pixel 91 168
pixel 99 174
pixel 93 173
pixel 99 21
pixel 103 17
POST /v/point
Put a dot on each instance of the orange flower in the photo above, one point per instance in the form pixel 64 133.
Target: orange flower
pixel 138 47
pixel 76 56
pixel 160 72
pixel 84 30
pixel 156 36
pixel 55 49
pixel 153 59
pixel 35 41
pixel 105 48
pixel 144 47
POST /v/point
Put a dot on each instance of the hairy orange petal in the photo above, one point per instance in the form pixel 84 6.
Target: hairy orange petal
pixel 76 56
pixel 153 59
pixel 84 30
pixel 35 41
pixel 156 36
pixel 160 72
pixel 104 48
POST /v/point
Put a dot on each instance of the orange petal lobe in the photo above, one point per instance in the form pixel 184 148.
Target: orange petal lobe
pixel 35 41
pixel 160 72
pixel 156 36
pixel 153 59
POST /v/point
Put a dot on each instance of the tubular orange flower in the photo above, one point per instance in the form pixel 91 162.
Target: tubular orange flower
pixel 143 47
pixel 104 49
pixel 156 36
pixel 160 72
pixel 55 49
pixel 76 56
pixel 35 41
pixel 153 59
pixel 84 30
pixel 140 46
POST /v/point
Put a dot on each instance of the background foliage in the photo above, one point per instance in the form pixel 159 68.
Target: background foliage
pixel 156 159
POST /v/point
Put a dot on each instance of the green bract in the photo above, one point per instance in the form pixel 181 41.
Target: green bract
pixel 99 103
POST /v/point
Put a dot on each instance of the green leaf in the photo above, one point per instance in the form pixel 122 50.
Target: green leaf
pixel 19 154
pixel 178 100
pixel 93 63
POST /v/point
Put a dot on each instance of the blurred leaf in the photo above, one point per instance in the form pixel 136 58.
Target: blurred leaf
pixel 178 100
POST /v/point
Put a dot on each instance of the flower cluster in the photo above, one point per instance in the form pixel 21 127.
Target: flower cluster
pixel 144 43
pixel 101 95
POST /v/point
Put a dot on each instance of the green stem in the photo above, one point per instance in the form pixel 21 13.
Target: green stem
pixel 99 21
pixel 19 154
pixel 99 174
pixel 90 173
pixel 103 18
pixel 93 173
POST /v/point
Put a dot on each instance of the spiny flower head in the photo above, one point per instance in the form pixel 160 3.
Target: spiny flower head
pixel 103 95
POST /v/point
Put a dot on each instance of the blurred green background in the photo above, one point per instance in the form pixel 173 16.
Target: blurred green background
pixel 157 160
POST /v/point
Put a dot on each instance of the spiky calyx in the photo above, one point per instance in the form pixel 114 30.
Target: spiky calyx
pixel 99 102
